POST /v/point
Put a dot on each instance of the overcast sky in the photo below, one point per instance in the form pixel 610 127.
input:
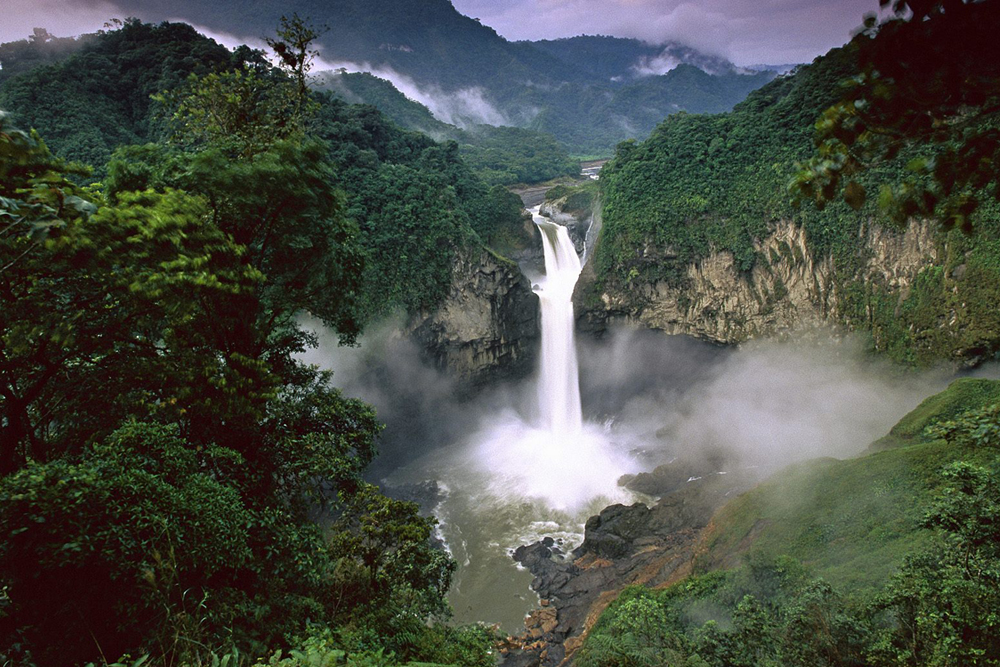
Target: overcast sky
pixel 745 31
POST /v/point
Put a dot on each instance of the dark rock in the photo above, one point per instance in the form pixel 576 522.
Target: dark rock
pixel 487 328
pixel 672 476
pixel 611 533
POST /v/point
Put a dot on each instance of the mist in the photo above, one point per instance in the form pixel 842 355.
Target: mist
pixel 766 404
pixel 464 108
pixel 648 399
pixel 60 18
pixel 771 31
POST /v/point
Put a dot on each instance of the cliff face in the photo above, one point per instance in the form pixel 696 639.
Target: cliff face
pixel 487 328
pixel 790 286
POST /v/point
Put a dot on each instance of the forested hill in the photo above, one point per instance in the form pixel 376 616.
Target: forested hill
pixel 98 101
pixel 571 89
pixel 701 186
pixel 623 58
pixel 428 40
pixel 164 452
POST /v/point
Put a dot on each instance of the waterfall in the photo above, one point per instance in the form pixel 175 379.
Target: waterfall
pixel 559 378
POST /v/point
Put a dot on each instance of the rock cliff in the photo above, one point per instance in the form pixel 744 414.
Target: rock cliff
pixel 789 287
pixel 487 328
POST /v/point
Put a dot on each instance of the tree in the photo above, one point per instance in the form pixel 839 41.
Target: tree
pixel 945 602
pixel 389 575
pixel 293 46
pixel 90 295
pixel 927 90
pixel 119 549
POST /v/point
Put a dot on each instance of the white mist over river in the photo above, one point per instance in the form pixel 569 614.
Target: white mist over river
pixel 523 461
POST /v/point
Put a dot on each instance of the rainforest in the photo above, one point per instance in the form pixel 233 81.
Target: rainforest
pixel 368 334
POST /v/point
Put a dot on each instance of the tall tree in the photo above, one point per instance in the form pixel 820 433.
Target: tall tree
pixel 927 88
pixel 90 295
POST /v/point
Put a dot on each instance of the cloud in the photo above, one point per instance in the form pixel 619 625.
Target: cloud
pixel 772 31
pixel 61 18
pixel 464 108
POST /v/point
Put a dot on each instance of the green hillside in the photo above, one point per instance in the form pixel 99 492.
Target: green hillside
pixel 886 559
pixel 554 87
pixel 851 522
pixel 704 183
pixel 86 119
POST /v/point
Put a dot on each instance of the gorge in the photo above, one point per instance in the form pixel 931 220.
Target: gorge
pixel 302 365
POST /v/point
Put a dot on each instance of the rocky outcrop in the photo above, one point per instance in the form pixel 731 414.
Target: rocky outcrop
pixel 577 223
pixel 789 287
pixel 623 546
pixel 487 327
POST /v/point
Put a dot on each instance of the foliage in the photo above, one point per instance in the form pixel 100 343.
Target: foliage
pixel 509 155
pixel 92 298
pixel 936 605
pixel 294 48
pixel 131 540
pixel 40 48
pixel 960 397
pixel 703 184
pixel 100 97
pixel 928 77
pixel 498 155
pixel 243 112
pixel 238 107
pixel 378 541
pixel 166 454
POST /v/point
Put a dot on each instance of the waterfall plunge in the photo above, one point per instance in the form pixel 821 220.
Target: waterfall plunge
pixel 559 378
pixel 568 465
pixel 554 464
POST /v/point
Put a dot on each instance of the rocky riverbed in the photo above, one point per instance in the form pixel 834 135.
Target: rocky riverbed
pixel 650 544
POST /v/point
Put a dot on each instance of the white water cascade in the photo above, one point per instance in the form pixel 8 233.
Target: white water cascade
pixel 559 378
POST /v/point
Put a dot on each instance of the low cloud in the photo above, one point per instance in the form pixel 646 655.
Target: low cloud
pixel 465 108
pixel 60 18
pixel 768 31
pixel 656 66
pixel 647 398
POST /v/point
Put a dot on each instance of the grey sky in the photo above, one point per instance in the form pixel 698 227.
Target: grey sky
pixel 745 31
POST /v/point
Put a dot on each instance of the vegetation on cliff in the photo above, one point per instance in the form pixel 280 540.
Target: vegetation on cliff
pixel 887 559
pixel 703 184
pixel 164 455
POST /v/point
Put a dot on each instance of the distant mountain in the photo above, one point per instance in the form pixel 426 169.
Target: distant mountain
pixel 777 69
pixel 582 89
pixel 620 59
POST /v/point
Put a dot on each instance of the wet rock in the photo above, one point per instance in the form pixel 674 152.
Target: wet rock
pixel 623 545
pixel 487 328
pixel 790 287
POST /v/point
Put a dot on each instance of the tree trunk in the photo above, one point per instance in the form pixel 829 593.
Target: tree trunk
pixel 13 434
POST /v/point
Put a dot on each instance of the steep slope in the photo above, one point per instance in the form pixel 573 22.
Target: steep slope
pixel 700 236
pixel 850 521
pixel 476 76
pixel 421 210
pixel 499 155
pixel 427 40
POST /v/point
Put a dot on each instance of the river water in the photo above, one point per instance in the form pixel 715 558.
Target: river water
pixel 522 462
